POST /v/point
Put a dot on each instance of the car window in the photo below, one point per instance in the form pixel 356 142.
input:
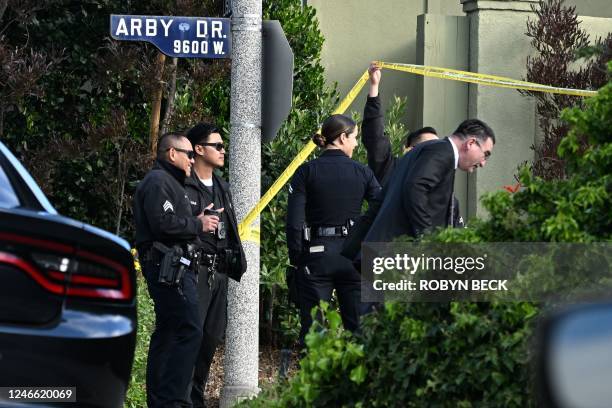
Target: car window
pixel 8 197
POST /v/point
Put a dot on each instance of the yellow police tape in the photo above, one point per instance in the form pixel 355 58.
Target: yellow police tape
pixel 482 79
pixel 248 233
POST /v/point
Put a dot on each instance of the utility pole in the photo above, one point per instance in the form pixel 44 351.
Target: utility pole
pixel 241 361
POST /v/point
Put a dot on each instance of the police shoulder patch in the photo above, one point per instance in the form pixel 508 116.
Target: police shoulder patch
pixel 168 206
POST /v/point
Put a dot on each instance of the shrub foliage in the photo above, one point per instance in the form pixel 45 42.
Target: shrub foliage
pixel 559 40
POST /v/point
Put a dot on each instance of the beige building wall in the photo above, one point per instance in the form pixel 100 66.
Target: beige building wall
pixel 359 31
pixel 443 41
pixel 593 8
pixel 498 46
pixel 596 27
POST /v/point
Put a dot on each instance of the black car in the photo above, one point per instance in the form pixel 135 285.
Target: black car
pixel 67 301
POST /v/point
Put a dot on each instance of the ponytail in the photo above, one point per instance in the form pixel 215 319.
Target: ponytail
pixel 319 140
pixel 332 128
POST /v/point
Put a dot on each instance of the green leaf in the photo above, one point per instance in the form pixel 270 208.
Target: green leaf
pixel 358 374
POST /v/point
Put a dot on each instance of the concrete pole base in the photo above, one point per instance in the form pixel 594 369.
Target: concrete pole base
pixel 233 394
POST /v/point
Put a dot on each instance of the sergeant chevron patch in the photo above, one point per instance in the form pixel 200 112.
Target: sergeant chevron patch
pixel 168 206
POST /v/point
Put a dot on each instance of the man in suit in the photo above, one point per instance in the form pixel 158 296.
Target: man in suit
pixel 378 146
pixel 419 195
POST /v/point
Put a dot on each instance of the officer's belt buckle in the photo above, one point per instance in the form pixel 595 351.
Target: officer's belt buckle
pixel 330 231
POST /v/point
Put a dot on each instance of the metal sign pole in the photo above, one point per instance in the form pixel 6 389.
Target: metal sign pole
pixel 242 336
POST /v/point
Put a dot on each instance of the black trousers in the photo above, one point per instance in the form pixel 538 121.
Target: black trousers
pixel 174 342
pixel 318 276
pixel 213 314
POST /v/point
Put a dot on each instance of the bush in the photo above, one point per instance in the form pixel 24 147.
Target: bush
pixel 559 41
pixel 415 355
pixel 137 393
pixel 82 125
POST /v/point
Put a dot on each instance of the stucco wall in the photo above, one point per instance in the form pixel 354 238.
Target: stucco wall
pixel 594 8
pixel 498 46
pixel 596 26
pixel 443 41
pixel 359 31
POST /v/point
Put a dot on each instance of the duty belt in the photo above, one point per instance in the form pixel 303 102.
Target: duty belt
pixel 326 231
pixel 210 261
pixel 154 252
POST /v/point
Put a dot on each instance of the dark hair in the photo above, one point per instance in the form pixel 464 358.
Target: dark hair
pixel 474 128
pixel 414 137
pixel 200 132
pixel 167 141
pixel 333 127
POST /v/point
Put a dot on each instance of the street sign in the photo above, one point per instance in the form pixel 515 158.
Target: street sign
pixel 183 37
pixel 277 79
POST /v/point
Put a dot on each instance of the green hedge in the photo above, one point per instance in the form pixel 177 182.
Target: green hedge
pixel 137 392
pixel 416 355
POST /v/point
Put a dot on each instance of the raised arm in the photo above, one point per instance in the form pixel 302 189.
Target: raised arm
pixel 377 144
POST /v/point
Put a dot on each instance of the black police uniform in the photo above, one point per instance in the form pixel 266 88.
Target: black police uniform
pixel 223 247
pixel 163 214
pixel 326 194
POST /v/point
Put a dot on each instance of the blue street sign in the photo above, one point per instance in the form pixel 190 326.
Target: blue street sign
pixel 184 37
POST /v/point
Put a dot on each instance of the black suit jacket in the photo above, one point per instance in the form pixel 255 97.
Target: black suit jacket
pixel 417 197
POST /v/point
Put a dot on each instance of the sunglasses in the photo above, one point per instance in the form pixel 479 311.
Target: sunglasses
pixel 190 153
pixel 218 145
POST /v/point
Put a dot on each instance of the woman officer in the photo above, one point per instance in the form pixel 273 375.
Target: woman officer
pixel 325 196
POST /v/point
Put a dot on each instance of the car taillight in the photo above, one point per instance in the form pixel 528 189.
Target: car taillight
pixel 62 269
pixel 97 276
pixel 34 272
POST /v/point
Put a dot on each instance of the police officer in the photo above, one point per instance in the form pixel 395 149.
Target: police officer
pixel 325 196
pixel 165 232
pixel 221 253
